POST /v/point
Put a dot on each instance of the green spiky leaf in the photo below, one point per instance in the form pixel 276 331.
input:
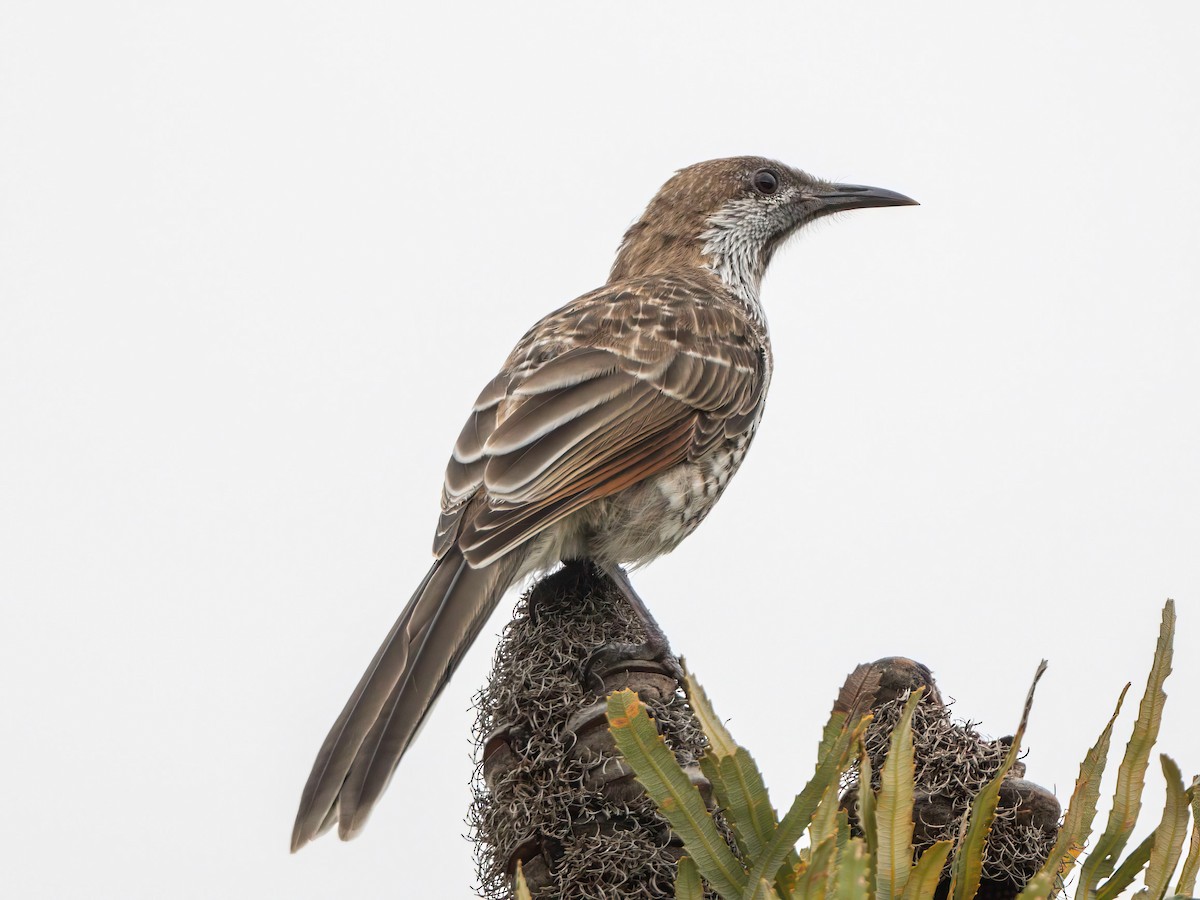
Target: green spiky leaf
pixel 737 783
pixel 813 883
pixel 1081 812
pixel 825 820
pixel 742 795
pixel 843 828
pixel 926 875
pixel 851 877
pixel 866 816
pixel 720 741
pixel 894 808
pixel 1170 834
pixel 967 871
pixel 677 798
pixel 1127 871
pixel 688 884
pixel 1131 776
pixel 762 891
pixel 797 818
pixel 1187 875
pixel 1039 887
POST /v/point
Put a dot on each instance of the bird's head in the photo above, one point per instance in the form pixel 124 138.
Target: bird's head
pixel 730 215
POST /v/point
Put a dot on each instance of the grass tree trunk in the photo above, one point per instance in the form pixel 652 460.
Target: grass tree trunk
pixel 552 792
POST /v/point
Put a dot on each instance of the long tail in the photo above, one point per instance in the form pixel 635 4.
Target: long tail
pixel 395 694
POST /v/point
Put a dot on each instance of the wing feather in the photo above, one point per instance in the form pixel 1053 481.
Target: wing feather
pixel 497 530
pixel 568 369
pixel 544 412
pixel 514 475
pixel 621 385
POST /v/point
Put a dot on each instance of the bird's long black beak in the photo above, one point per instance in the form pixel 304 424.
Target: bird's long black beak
pixel 861 196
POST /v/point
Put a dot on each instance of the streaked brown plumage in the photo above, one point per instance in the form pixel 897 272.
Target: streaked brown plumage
pixel 609 433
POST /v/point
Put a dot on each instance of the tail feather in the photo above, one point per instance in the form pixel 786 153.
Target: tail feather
pixel 387 708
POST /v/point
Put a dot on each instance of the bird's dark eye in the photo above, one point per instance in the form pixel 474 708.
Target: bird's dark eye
pixel 766 182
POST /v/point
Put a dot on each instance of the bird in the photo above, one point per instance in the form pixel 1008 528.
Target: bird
pixel 608 435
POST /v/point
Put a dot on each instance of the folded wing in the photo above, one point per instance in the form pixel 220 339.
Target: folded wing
pixel 595 409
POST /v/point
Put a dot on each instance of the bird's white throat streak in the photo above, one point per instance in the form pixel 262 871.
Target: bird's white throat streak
pixel 734 243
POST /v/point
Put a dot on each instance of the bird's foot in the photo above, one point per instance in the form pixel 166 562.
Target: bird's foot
pixel 618 656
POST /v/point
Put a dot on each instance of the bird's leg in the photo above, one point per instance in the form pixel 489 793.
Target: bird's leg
pixel 656 647
pixel 656 639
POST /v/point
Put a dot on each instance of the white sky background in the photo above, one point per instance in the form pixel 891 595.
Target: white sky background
pixel 256 260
